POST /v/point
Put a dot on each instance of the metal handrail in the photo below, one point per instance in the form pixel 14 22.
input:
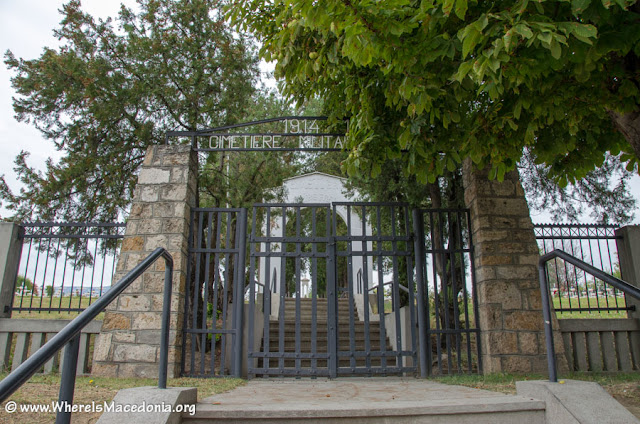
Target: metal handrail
pixel 546 303
pixel 404 288
pixel 70 336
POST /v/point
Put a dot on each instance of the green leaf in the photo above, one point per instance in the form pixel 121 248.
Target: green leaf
pixel 523 30
pixel 517 109
pixel 463 70
pixel 585 30
pixel 447 6
pixel 556 50
pixel 470 41
pixel 461 8
pixel 579 6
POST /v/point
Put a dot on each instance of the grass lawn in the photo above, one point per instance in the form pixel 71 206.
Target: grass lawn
pixel 624 387
pixel 51 302
pixel 43 389
pixel 590 302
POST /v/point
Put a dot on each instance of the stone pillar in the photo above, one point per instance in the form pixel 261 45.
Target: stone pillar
pixel 129 343
pixel 506 268
pixel 10 251
pixel 628 243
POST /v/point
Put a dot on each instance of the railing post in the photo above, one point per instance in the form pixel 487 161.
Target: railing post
pixel 332 299
pixel 166 316
pixel 548 330
pixel 68 380
pixel 238 298
pixel 628 242
pixel 10 252
pixel 418 229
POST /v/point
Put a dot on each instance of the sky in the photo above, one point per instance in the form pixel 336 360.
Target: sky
pixel 26 27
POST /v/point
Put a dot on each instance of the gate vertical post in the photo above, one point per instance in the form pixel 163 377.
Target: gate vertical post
pixel 628 243
pixel 238 297
pixel 505 254
pixel 10 252
pixel 423 335
pixel 129 341
pixel 332 299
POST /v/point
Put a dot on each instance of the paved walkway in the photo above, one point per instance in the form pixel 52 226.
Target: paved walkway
pixel 359 396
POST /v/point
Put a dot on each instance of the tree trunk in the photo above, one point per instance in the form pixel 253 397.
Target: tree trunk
pixel 629 125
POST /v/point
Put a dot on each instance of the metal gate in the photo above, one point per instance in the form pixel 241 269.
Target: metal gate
pixel 212 339
pixel 332 290
pixel 325 290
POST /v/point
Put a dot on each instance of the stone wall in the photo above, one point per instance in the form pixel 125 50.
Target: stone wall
pixel 506 259
pixel 129 343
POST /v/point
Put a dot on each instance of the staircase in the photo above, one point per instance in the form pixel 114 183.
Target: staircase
pixel 320 366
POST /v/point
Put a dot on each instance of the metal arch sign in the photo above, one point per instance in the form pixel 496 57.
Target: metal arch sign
pixel 282 134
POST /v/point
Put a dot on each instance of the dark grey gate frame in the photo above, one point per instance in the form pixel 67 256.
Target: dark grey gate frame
pixel 458 252
pixel 459 245
pixel 399 233
pixel 236 253
pixel 277 286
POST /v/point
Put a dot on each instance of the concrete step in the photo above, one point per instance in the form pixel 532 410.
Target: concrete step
pixel 357 400
pixel 359 326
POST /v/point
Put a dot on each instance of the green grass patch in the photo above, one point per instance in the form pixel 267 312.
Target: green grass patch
pixel 590 302
pixel 51 302
pixel 43 390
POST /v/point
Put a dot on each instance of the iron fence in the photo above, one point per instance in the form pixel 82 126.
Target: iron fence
pixel 64 267
pixel 573 291
pixel 446 270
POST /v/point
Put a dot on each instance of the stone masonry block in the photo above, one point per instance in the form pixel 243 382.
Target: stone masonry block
pixel 492 235
pixel 124 337
pixel 503 342
pixel 523 320
pixel 516 272
pixel 153 282
pixel 171 159
pixel 149 194
pixel 504 292
pixel 135 353
pixel 148 337
pixel 140 370
pixel 140 210
pixel 504 206
pixel 132 227
pixel 174 192
pixel 505 188
pixel 155 241
pixel 146 321
pixel 489 260
pixel 490 316
pixel 150 226
pixel 116 321
pixel 164 209
pixel 102 346
pixel 134 303
pixel 134 243
pixel 175 226
pixel 516 364
pixel 154 176
pixel 528 343
pixel 104 369
pixel 178 175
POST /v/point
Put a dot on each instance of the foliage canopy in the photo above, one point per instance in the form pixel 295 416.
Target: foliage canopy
pixel 449 79
pixel 113 88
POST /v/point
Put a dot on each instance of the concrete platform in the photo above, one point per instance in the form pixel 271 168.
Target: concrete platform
pixel 364 400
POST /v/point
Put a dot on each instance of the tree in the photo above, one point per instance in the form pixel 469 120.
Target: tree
pixel 111 91
pixel 25 284
pixel 447 79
